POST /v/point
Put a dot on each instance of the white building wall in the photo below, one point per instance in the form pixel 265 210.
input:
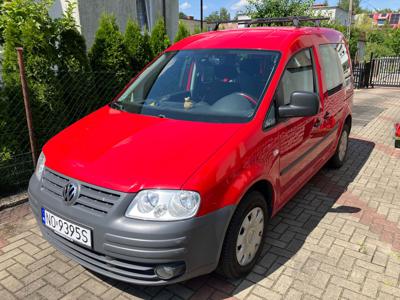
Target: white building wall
pixel 334 14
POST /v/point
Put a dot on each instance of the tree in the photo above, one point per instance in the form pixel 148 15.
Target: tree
pixel 71 45
pixel 221 15
pixel 27 24
pixel 364 22
pixel 385 10
pixel 278 8
pixel 108 53
pixel 159 38
pixel 73 69
pixel 182 15
pixel 147 48
pixel 395 41
pixel 137 45
pixel 182 32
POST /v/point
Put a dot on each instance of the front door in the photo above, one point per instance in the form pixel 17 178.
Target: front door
pixel 298 136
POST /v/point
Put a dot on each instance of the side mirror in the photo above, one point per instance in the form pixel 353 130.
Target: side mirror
pixel 302 104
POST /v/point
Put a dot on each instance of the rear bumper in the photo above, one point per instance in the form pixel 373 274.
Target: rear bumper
pixel 129 250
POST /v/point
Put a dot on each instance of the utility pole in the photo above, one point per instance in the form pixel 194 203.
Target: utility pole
pixel 201 15
pixel 349 18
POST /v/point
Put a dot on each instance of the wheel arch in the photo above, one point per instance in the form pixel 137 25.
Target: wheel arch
pixel 348 121
pixel 267 190
pixel 264 187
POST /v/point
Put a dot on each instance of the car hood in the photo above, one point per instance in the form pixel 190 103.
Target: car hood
pixel 129 152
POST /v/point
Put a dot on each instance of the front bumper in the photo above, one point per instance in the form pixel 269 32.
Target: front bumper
pixel 128 249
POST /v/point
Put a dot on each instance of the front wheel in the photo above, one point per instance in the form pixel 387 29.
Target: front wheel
pixel 339 157
pixel 245 235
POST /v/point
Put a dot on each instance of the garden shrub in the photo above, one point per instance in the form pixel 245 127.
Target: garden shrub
pixel 138 46
pixel 159 38
pixel 108 53
pixel 182 32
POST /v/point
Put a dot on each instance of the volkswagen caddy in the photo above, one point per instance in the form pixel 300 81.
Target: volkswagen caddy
pixel 179 175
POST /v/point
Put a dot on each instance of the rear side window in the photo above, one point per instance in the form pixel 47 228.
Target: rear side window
pixel 298 77
pixel 336 67
pixel 345 62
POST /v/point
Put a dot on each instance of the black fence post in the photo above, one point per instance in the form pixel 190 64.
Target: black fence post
pixel 367 71
pixel 28 112
pixel 371 73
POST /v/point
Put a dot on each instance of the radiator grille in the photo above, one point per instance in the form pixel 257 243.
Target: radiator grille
pixel 92 199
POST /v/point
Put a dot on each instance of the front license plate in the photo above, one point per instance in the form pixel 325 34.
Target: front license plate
pixel 67 229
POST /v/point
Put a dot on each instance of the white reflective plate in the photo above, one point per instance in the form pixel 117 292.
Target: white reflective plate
pixel 66 229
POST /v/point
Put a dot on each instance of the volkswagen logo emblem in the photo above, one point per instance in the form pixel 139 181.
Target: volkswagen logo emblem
pixel 70 193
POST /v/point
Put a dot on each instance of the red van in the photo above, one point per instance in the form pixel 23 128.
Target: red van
pixel 180 174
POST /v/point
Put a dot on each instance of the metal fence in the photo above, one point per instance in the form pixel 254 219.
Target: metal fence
pixel 358 74
pixel 74 96
pixel 383 71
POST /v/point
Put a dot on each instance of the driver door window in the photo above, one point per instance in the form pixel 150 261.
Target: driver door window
pixel 297 77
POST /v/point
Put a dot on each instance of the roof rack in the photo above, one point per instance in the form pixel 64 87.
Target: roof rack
pixel 295 20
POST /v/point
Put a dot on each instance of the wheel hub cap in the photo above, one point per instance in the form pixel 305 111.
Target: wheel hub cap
pixel 250 236
pixel 343 145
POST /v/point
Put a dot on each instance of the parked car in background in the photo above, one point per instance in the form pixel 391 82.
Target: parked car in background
pixel 180 174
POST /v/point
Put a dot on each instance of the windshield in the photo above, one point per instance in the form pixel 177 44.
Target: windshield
pixel 223 86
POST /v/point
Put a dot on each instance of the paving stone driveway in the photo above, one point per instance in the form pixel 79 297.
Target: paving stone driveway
pixel 338 238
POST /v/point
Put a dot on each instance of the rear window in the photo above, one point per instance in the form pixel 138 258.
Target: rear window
pixel 336 66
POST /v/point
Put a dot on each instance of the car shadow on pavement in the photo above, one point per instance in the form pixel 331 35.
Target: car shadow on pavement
pixel 287 233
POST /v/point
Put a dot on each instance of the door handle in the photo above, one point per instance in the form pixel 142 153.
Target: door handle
pixel 317 122
pixel 327 115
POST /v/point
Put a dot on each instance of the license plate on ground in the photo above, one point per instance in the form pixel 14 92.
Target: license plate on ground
pixel 67 229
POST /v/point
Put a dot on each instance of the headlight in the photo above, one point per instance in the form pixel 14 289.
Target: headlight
pixel 164 205
pixel 40 166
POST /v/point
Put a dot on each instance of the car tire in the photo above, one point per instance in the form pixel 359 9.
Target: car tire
pixel 340 155
pixel 245 237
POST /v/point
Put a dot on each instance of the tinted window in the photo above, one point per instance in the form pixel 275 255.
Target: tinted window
pixel 270 120
pixel 202 85
pixel 298 77
pixel 333 66
pixel 344 61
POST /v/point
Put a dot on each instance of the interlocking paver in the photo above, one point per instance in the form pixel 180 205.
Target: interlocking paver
pixel 6 295
pixel 27 290
pixel 338 238
pixel 18 270
pixel 11 283
pixel 332 292
pixel 55 279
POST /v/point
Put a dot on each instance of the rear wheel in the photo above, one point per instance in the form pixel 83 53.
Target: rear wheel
pixel 245 235
pixel 339 157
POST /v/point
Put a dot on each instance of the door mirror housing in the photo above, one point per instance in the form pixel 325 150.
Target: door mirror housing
pixel 302 104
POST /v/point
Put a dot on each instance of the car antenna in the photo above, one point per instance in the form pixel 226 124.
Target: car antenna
pixel 296 20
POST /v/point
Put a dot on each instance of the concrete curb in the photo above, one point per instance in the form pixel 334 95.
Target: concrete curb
pixel 13 200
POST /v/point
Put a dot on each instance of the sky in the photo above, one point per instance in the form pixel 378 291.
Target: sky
pixel 192 7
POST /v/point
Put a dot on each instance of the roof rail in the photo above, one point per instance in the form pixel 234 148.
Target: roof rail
pixel 295 20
